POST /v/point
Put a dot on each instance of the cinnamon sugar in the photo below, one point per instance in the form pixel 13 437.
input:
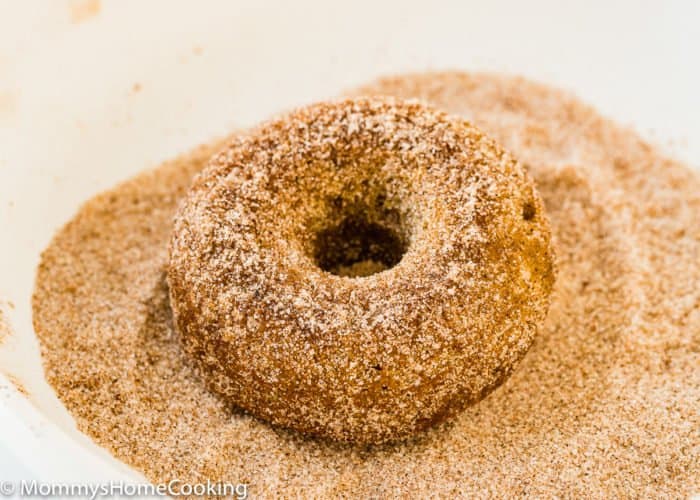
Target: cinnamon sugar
pixel 604 404
pixel 17 383
pixel 5 328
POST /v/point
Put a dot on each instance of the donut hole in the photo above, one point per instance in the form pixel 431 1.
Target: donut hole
pixel 359 245
pixel 529 211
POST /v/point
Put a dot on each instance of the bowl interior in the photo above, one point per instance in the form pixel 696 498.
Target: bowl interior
pixel 85 105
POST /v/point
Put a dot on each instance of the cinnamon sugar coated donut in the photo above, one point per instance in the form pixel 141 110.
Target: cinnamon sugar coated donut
pixel 359 270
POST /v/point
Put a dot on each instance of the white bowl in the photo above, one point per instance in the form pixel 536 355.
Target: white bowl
pixel 91 93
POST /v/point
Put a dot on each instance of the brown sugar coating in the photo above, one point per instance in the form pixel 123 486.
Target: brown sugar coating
pixel 359 270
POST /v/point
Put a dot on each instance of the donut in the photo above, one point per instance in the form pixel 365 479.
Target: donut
pixel 359 270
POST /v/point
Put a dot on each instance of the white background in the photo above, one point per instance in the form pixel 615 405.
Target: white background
pixel 92 92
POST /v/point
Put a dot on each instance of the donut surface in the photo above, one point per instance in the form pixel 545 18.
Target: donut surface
pixel 359 270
